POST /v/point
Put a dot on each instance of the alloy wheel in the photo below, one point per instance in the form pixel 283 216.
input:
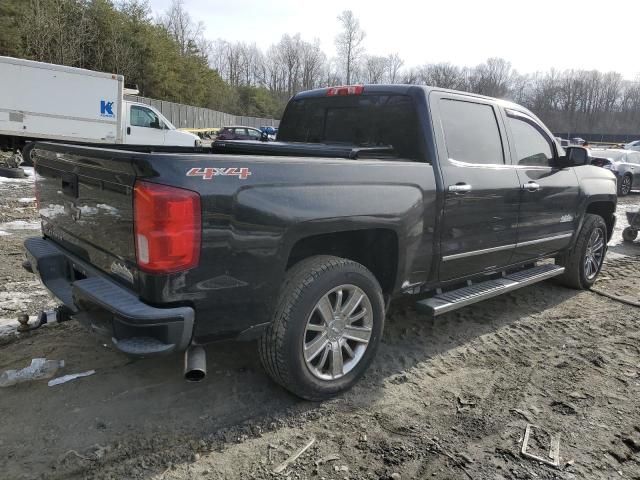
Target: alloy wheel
pixel 626 185
pixel 595 254
pixel 338 331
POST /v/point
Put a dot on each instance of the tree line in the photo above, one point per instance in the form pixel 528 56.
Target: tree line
pixel 170 58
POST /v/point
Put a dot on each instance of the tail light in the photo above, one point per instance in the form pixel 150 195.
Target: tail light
pixel 167 223
pixel 345 90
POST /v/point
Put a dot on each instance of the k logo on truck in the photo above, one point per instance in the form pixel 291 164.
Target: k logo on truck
pixel 106 108
pixel 208 173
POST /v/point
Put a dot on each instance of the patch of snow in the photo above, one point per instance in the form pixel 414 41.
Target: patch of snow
pixel 30 177
pixel 109 208
pixel 3 233
pixel 52 211
pixel 20 225
pixel 27 200
pixel 8 326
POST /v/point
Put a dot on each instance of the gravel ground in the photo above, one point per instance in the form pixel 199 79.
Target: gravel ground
pixel 446 398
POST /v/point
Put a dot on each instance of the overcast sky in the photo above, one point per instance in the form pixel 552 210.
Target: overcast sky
pixel 532 34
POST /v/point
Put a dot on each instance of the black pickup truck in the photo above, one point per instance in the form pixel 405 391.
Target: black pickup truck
pixel 370 192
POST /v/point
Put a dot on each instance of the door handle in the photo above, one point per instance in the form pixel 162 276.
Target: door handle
pixel 531 186
pixel 128 130
pixel 459 188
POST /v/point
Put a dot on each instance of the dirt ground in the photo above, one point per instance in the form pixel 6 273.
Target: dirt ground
pixel 447 398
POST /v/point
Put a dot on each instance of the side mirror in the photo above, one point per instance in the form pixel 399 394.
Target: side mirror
pixel 575 157
pixel 264 137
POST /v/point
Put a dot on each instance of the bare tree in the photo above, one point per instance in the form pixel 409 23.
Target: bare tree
pixel 349 42
pixel 181 27
pixel 443 75
pixel 492 78
pixel 375 68
pixel 312 62
pixel 394 64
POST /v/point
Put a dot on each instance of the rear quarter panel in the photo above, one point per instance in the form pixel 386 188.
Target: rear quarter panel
pixel 251 224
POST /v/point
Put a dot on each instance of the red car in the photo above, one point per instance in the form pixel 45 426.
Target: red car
pixel 240 133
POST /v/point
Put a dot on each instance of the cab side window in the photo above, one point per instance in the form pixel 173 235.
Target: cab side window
pixel 532 147
pixel 143 117
pixel 471 132
pixel 254 133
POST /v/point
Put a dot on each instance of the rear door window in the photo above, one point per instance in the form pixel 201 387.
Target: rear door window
pixel 471 132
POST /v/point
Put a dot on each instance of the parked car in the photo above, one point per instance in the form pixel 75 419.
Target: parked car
pixel 67 104
pixel 577 141
pixel 241 133
pixel 635 145
pixel 371 192
pixel 269 131
pixel 563 142
pixel 625 165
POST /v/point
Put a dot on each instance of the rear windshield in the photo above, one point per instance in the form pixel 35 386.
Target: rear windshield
pixel 359 120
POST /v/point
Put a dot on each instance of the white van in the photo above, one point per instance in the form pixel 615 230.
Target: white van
pixel 45 101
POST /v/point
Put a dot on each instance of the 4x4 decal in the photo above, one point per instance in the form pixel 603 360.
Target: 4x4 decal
pixel 209 172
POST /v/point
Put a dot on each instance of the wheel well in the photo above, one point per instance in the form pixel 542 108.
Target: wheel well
pixel 605 210
pixel 376 249
pixel 8 143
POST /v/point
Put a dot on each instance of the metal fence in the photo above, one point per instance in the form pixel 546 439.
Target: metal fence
pixel 600 137
pixel 187 116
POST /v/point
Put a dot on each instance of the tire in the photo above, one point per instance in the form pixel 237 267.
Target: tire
pixel 12 172
pixel 27 161
pixel 298 323
pixel 577 274
pixel 624 185
pixel 629 234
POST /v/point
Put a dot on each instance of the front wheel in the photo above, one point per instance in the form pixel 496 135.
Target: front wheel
pixel 326 327
pixel 583 263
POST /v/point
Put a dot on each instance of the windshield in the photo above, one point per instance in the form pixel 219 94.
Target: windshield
pixel 359 120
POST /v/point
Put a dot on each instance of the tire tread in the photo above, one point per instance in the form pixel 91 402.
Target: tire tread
pixel 272 345
pixel 571 261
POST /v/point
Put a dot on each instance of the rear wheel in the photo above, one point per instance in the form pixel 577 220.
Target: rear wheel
pixel 629 234
pixel 624 186
pixel 583 263
pixel 326 328
pixel 26 154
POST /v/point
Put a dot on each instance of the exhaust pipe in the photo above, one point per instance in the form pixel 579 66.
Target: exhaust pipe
pixel 195 363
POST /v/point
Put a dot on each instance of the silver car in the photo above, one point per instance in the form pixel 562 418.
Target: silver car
pixel 625 165
pixel 635 145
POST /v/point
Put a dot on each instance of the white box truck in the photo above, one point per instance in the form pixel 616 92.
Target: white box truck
pixel 53 102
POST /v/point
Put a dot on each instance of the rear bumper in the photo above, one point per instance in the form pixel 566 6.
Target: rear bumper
pixel 134 327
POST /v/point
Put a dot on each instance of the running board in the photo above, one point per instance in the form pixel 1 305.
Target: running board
pixel 454 299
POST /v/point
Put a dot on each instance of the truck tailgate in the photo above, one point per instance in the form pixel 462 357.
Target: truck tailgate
pixel 86 205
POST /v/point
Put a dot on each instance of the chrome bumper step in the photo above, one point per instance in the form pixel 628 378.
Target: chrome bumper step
pixel 454 299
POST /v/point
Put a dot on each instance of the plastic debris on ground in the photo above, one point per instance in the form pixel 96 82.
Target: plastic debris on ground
pixel 68 378
pixel 40 369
